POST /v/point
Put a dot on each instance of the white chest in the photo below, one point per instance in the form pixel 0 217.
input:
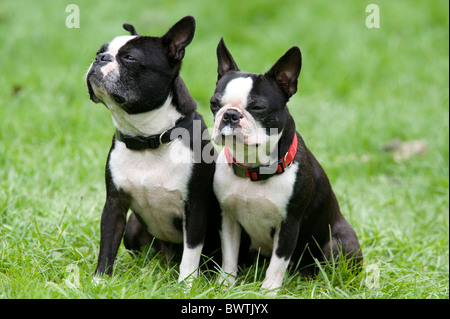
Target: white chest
pixel 157 181
pixel 259 207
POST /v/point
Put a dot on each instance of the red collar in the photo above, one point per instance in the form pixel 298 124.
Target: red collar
pixel 263 172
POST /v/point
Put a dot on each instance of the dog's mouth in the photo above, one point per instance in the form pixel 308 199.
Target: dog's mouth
pixel 98 92
pixel 228 136
pixel 90 78
pixel 92 95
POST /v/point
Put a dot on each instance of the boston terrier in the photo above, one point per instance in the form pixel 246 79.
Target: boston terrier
pixel 267 182
pixel 153 167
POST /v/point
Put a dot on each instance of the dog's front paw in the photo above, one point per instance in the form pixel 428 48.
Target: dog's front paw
pixel 272 285
pixel 187 278
pixel 227 279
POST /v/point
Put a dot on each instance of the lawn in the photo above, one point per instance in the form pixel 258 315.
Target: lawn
pixel 360 89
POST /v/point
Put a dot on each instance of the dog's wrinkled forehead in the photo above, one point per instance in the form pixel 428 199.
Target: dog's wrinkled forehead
pixel 236 92
pixel 114 46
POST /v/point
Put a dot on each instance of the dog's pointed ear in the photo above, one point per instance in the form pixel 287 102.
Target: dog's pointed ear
pixel 225 60
pixel 286 70
pixel 179 37
pixel 130 28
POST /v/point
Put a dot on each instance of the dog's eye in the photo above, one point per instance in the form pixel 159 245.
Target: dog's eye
pixel 129 57
pixel 258 108
pixel 214 106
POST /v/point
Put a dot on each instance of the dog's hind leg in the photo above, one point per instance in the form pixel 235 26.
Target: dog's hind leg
pixel 136 237
pixel 343 243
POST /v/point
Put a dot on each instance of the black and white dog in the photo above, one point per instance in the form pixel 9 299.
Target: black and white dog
pixel 153 167
pixel 266 179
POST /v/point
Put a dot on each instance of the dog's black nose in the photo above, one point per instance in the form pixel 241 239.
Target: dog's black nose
pixel 104 57
pixel 231 117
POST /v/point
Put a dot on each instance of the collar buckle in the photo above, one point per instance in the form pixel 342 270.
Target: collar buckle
pixel 285 164
pixel 161 141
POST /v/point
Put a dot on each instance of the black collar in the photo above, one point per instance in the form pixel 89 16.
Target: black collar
pixel 138 143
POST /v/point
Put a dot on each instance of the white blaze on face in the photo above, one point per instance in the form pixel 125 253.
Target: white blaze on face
pixel 236 93
pixel 235 97
pixel 114 47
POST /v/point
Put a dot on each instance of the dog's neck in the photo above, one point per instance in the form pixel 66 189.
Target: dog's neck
pixel 148 123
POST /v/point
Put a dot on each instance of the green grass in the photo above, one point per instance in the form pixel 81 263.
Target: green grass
pixel 359 89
